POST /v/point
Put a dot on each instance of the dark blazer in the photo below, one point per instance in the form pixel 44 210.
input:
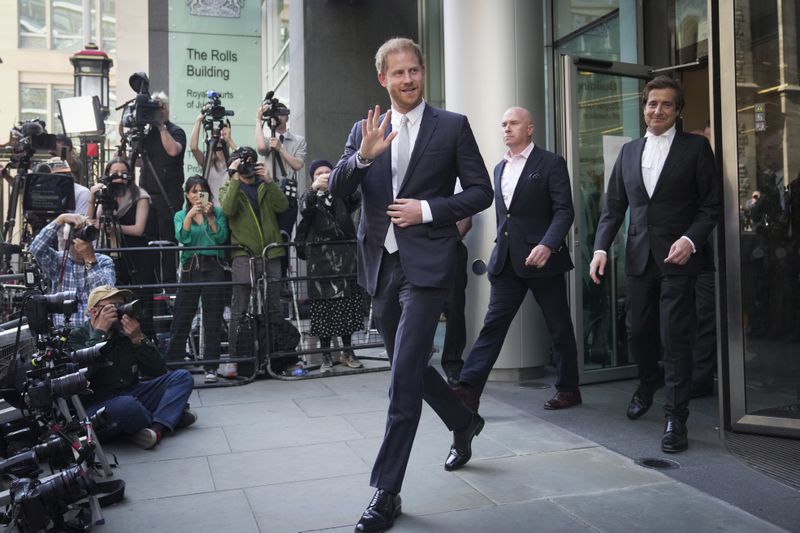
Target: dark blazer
pixel 685 202
pixel 541 212
pixel 445 149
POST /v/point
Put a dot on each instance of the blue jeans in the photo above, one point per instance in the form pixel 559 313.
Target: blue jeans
pixel 160 399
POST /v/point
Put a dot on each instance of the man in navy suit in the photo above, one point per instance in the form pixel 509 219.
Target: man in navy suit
pixel 405 164
pixel 534 210
pixel 668 180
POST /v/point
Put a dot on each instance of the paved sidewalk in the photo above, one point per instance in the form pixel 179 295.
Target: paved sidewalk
pixel 278 456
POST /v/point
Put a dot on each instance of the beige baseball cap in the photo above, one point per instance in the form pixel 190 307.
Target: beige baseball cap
pixel 106 291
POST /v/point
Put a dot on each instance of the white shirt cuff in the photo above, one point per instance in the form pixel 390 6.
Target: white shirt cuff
pixel 600 252
pixel 359 164
pixel 694 250
pixel 427 216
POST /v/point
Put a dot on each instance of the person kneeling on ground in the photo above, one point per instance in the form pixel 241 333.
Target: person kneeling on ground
pixel 142 400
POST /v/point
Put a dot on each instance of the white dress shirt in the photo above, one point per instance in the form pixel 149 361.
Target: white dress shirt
pixel 512 171
pixel 656 149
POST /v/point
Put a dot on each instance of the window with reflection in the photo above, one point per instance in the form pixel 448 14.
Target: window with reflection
pixel 570 16
pixel 768 103
pixel 33 103
pixel 58 24
pixel 32 23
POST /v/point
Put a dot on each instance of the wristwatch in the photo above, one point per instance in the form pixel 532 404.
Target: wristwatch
pixel 363 160
pixel 89 264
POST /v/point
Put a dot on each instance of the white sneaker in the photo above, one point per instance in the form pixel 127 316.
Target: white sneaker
pixel 211 376
pixel 327 364
pixel 146 438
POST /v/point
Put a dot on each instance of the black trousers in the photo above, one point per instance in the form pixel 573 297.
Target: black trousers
pixel 507 294
pixel 199 268
pixel 661 310
pixel 455 334
pixel 407 316
pixel 705 348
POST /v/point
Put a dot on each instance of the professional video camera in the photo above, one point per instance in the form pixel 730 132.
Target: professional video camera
pixel 142 110
pixel 27 138
pixel 274 110
pixel 213 109
pixel 248 160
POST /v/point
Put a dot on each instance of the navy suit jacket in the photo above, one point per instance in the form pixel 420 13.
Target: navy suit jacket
pixel 445 149
pixel 541 212
pixel 685 201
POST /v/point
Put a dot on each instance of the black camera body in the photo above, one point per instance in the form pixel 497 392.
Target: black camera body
pixel 213 109
pixel 274 110
pixel 41 504
pixel 248 159
pixel 141 112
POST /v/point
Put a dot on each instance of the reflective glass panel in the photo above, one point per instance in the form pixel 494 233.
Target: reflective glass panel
pixel 570 16
pixel 767 104
pixel 32 23
pixel 32 102
pixel 67 23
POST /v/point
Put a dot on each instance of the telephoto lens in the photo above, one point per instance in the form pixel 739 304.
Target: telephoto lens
pixel 65 386
pixel 133 309
pixel 86 356
pixel 87 233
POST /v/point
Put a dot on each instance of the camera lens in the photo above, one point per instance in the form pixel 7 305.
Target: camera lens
pixel 68 385
pixel 86 356
pixel 68 487
pixel 87 233
pixel 133 309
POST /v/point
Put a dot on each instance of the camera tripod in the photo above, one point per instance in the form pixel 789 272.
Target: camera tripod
pixel 213 139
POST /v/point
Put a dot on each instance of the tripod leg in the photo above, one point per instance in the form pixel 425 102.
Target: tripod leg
pixel 76 402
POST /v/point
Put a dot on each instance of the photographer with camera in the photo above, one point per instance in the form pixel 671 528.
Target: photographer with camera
pixel 76 268
pixel 251 200
pixel 164 144
pixel 141 399
pixel 217 175
pixel 199 224
pixel 274 117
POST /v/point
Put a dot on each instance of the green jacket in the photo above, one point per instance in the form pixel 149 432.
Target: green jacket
pixel 246 230
pixel 128 362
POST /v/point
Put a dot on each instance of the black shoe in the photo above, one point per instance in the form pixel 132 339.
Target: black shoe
pixel 564 399
pixel 461 450
pixel 675 437
pixel 380 513
pixel 640 403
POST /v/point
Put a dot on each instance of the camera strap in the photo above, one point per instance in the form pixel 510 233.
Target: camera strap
pixel 109 492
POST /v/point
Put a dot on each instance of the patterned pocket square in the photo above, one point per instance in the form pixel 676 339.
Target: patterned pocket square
pixel 534 175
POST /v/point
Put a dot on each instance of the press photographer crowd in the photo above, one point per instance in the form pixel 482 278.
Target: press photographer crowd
pixel 109 285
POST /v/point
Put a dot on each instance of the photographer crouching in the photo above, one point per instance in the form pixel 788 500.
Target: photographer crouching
pixel 76 267
pixel 142 401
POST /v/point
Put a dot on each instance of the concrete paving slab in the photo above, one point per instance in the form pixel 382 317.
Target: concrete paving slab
pixel 340 404
pixel 188 442
pixel 211 511
pixel 544 475
pixel 373 424
pixel 263 391
pixel 161 479
pixel 532 435
pixel 253 413
pixel 281 431
pixel 664 507
pixel 283 465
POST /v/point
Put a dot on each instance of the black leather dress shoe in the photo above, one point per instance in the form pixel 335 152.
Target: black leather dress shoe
pixel 640 403
pixel 461 450
pixel 468 397
pixel 564 399
pixel 676 437
pixel 380 513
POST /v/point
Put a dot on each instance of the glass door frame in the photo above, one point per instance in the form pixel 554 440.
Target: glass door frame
pixel 733 385
pixel 569 142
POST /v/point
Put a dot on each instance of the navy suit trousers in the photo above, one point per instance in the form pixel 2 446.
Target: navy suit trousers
pixel 507 294
pixel 407 317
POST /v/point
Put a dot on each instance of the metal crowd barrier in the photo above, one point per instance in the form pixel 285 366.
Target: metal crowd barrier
pixel 163 298
pixel 292 291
